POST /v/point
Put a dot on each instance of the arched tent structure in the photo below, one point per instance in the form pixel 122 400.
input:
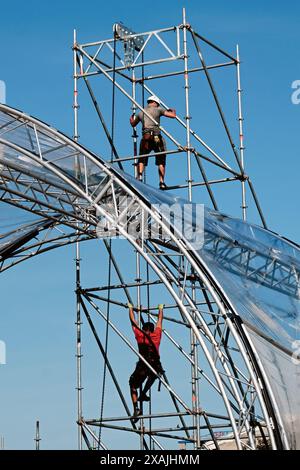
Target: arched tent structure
pixel 246 276
pixel 34 238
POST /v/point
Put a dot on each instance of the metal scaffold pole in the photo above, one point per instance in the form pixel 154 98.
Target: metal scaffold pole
pixel 139 307
pixel 78 345
pixel 193 339
pixel 195 308
pixel 37 436
pixel 195 381
pixel 138 257
pixel 187 106
pixel 210 351
pixel 77 263
pixel 134 132
pixel 241 130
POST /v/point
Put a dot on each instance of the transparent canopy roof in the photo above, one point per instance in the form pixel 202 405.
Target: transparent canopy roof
pixel 257 270
pixel 14 239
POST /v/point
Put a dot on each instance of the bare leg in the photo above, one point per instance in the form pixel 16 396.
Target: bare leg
pixel 136 410
pixel 162 172
pixel 135 381
pixel 134 397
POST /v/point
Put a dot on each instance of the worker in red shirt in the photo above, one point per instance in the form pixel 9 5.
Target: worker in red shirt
pixel 148 339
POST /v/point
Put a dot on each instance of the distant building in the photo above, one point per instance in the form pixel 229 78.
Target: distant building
pixel 2 352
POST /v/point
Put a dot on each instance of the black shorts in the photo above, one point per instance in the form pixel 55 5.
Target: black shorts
pixel 155 143
pixel 143 372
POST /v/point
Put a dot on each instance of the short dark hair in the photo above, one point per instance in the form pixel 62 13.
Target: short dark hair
pixel 148 326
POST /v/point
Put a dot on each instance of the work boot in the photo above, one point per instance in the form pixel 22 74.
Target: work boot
pixel 163 186
pixel 144 397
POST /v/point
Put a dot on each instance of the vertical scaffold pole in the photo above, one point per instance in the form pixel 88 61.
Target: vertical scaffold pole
pixel 138 281
pixel 134 133
pixel 77 264
pixel 37 436
pixel 138 259
pixel 193 339
pixel 75 97
pixel 187 106
pixel 195 381
pixel 241 130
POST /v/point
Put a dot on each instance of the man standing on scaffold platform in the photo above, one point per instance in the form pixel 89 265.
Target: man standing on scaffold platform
pixel 152 138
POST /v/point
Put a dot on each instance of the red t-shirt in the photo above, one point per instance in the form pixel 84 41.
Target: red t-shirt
pixel 144 338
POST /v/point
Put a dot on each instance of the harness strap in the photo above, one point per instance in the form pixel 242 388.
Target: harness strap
pixel 151 132
pixel 161 370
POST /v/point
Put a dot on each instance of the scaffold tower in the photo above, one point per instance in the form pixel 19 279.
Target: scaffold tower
pixel 227 284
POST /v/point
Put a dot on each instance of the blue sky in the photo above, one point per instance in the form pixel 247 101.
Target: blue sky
pixel 36 64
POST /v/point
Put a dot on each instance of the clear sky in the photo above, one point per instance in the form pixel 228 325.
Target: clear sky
pixel 37 311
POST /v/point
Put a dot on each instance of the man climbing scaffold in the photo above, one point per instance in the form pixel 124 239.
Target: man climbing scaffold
pixel 148 339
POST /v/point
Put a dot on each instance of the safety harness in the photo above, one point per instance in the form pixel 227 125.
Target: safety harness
pixel 159 369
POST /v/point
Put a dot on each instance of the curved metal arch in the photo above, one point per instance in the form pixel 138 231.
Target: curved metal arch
pixel 35 238
pixel 53 243
pixel 112 183
pixel 42 246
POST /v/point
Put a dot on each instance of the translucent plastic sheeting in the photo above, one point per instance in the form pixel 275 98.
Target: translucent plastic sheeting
pixel 284 376
pixel 47 145
pixel 257 270
pixel 259 273
pixel 243 257
pixel 10 158
pixel 14 239
pixel 263 289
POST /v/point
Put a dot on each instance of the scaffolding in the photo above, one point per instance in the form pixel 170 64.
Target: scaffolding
pixel 215 390
pixel 38 175
pixel 123 62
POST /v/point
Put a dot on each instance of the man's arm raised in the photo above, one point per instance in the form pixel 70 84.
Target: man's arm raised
pixel 160 316
pixel 132 316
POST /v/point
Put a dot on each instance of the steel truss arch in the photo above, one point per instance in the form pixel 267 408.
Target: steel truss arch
pixel 46 238
pixel 37 174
